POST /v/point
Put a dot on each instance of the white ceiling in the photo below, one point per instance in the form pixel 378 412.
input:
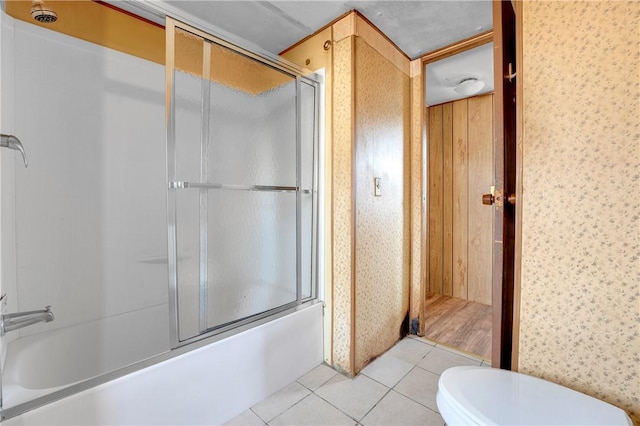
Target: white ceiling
pixel 416 27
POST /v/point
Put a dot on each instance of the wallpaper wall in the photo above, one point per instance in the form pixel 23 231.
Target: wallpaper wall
pixel 580 317
pixel 370 135
pixel 342 217
pixel 382 134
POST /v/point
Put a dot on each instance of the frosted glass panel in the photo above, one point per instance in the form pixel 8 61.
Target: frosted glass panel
pixel 306 249
pixel 188 90
pixel 188 262
pixel 252 124
pixel 251 253
pixel 307 133
pixel 243 187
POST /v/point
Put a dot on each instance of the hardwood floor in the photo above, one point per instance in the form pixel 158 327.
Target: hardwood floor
pixel 459 323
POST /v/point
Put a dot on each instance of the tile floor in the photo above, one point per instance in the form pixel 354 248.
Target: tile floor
pixel 398 388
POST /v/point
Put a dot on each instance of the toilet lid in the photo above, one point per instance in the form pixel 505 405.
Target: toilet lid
pixel 494 396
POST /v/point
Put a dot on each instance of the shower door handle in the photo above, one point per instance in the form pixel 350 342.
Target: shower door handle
pixel 12 142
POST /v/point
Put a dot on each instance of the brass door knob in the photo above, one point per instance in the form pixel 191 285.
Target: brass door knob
pixel 511 199
pixel 488 199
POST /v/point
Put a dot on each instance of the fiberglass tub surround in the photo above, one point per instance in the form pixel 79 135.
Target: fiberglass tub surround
pixel 94 237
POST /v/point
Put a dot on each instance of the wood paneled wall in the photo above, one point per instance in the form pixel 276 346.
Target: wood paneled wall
pixel 460 170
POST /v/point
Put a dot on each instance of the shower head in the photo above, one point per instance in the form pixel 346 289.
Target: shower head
pixel 43 13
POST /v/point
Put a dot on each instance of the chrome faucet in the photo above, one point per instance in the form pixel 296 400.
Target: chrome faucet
pixel 10 322
pixel 11 142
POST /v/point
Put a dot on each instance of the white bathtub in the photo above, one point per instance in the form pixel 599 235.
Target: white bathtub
pixel 42 363
pixel 208 385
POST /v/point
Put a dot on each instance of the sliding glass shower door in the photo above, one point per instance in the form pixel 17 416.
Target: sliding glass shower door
pixel 242 155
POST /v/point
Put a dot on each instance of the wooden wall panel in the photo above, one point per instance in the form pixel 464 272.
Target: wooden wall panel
pixel 435 199
pixel 460 167
pixel 460 198
pixel 480 119
pixel 447 199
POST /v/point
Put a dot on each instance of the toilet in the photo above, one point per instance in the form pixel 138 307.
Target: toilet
pixel 490 396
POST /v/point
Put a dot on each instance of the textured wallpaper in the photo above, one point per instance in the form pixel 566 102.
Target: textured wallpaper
pixel 381 134
pixel 580 318
pixel 343 303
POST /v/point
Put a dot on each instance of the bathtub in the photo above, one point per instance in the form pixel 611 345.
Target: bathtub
pixel 207 385
pixel 45 362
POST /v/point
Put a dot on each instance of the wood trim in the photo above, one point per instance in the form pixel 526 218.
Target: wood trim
pixel 498 120
pixel 415 68
pixel 372 25
pixel 345 27
pixel 310 36
pixel 328 165
pixel 350 28
pixel 355 24
pixel 354 280
pixel 505 182
pixel 459 46
pixel 381 43
pixel 329 141
pixel 417 290
pixel 517 283
pixel 423 197
pixel 426 264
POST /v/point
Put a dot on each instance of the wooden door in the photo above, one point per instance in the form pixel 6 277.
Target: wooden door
pixel 504 208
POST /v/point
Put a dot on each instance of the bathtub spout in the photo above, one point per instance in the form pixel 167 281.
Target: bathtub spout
pixel 10 322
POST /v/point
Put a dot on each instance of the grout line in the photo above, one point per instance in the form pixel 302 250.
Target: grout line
pixel 307 396
pixel 263 420
pixel 389 389
pixel 329 402
pixel 377 402
pixel 418 402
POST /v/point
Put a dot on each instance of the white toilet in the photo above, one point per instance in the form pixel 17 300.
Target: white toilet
pixel 490 396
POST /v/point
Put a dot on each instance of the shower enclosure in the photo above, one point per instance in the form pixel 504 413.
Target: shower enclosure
pixel 242 149
pixel 180 206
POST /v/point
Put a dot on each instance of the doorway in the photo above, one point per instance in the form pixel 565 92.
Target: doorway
pixel 458 300
pixel 502 195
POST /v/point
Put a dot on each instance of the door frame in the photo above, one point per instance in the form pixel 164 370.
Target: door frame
pixel 506 295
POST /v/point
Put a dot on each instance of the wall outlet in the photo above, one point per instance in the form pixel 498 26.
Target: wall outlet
pixel 377 191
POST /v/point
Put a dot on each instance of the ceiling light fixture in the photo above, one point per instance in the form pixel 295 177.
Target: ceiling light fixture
pixel 469 86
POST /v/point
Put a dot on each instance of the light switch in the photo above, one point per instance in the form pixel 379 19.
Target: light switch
pixel 376 185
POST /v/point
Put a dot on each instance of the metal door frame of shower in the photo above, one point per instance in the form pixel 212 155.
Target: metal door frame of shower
pixel 312 80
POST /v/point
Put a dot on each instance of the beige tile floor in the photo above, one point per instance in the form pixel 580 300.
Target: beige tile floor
pixel 398 388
